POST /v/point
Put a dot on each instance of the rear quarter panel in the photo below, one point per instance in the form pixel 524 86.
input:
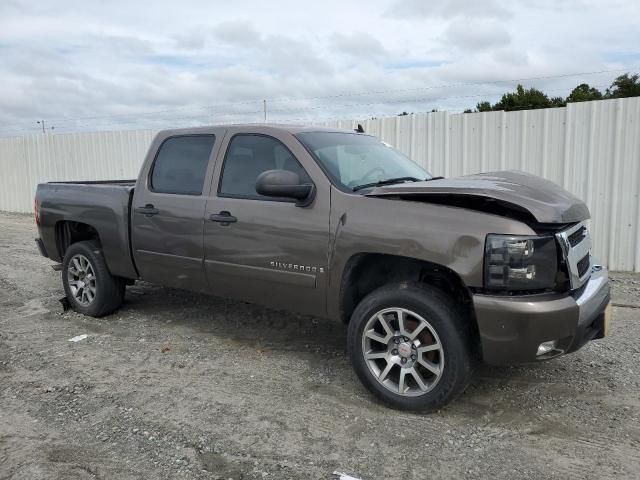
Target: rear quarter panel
pixel 103 207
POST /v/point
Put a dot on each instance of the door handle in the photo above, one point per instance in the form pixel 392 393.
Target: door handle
pixel 148 210
pixel 224 218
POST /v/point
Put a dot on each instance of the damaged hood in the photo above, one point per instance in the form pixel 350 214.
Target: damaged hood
pixel 544 200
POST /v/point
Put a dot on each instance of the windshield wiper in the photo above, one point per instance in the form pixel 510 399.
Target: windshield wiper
pixel 388 181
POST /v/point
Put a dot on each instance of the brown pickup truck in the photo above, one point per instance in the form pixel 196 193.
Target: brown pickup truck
pixel 432 275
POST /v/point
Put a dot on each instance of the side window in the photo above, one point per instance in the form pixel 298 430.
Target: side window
pixel 181 165
pixel 250 155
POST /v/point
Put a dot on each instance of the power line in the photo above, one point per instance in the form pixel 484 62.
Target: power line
pixel 409 100
pixel 452 85
pixel 125 121
pixel 324 97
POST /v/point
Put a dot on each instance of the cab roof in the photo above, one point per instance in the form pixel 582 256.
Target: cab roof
pixel 257 127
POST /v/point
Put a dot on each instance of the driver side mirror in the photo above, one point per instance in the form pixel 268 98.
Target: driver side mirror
pixel 285 184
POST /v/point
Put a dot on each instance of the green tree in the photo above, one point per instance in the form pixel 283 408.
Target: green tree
pixel 523 99
pixel 584 93
pixel 624 86
pixel 483 107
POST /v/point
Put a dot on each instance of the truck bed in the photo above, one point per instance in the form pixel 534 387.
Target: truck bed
pixel 104 205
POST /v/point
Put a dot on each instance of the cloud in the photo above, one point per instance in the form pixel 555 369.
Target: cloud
pixel 285 55
pixel 193 40
pixel 237 33
pixel 83 66
pixel 451 9
pixel 358 45
pixel 275 53
pixel 473 35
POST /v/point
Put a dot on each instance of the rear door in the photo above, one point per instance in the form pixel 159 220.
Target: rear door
pixel 168 209
pixel 272 252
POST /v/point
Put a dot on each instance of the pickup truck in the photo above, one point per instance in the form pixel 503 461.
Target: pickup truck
pixel 432 275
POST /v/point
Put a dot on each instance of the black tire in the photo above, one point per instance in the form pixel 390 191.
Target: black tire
pixel 109 290
pixel 447 321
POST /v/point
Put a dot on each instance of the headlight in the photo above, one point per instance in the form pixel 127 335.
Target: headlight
pixel 520 262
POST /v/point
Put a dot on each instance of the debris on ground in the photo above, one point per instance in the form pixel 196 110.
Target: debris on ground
pixel 64 301
pixel 344 476
pixel 78 338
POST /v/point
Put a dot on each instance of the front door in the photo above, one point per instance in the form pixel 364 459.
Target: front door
pixel 168 210
pixel 271 251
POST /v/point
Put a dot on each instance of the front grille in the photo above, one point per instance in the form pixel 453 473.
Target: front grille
pixel 583 266
pixel 576 237
pixel 575 243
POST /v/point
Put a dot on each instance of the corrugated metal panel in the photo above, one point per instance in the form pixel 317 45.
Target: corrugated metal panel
pixel 27 161
pixel 591 148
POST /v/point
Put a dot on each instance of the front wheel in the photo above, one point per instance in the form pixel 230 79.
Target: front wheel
pixel 410 346
pixel 88 284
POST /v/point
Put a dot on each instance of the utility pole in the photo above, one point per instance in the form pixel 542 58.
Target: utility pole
pixel 41 123
pixel 264 104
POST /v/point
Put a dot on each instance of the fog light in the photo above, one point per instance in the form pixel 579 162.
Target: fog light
pixel 546 347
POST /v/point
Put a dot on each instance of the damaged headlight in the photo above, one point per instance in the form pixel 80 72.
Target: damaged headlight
pixel 520 262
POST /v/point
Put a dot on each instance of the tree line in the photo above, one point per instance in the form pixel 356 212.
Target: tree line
pixel 626 85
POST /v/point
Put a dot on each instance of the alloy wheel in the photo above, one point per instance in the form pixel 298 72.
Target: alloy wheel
pixel 403 351
pixel 81 279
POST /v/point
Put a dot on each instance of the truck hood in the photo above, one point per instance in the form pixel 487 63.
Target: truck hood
pixel 514 190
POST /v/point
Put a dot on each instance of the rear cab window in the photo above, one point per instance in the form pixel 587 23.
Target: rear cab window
pixel 181 165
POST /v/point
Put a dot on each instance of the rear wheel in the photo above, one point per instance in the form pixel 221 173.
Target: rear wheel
pixel 88 284
pixel 410 346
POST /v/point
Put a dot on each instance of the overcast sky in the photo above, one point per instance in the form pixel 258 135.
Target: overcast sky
pixel 113 64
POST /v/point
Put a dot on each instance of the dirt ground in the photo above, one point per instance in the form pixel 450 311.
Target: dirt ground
pixel 177 385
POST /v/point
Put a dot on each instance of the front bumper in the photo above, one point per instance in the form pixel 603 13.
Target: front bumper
pixel 512 328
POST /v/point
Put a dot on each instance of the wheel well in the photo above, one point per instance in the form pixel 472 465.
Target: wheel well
pixel 69 232
pixel 365 272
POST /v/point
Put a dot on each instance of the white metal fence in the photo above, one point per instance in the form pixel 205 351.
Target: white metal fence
pixel 591 148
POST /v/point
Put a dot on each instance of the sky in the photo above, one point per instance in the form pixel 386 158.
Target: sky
pixel 114 64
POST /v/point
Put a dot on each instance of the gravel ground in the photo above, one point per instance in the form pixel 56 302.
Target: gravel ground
pixel 177 385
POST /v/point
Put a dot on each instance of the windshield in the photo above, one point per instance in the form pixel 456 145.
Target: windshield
pixel 354 160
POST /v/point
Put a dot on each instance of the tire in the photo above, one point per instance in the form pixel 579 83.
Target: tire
pixel 103 293
pixel 435 343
